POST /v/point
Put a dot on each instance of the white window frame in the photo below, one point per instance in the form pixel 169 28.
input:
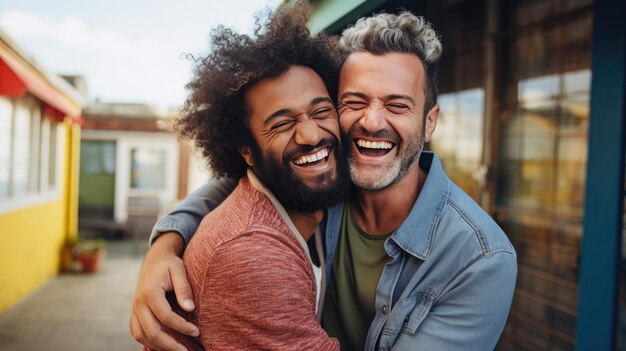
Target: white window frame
pixel 39 188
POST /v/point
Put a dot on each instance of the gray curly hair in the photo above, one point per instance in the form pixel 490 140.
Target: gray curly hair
pixel 405 33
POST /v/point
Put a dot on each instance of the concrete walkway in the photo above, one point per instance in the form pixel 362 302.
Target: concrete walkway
pixel 78 311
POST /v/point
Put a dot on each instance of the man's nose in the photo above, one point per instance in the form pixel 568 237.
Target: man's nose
pixel 374 119
pixel 308 133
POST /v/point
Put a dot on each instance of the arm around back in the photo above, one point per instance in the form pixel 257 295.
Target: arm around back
pixel 162 271
pixel 186 217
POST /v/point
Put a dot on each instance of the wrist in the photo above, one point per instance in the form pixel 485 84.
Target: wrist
pixel 169 243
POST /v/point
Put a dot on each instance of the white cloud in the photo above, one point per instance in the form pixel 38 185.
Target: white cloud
pixel 70 32
pixel 127 64
pixel 123 68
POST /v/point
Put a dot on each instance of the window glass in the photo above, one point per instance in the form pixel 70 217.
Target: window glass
pixel 6 123
pixel 34 172
pixel 458 139
pixel 147 169
pixel 540 176
pixel 21 150
pixel 28 149
pixel 53 149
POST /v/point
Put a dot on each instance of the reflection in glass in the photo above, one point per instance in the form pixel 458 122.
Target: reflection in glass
pixel 21 150
pixel 458 139
pixel 52 156
pixel 540 188
pixel 538 93
pixel 545 144
pixel 147 169
pixel 542 113
pixel 97 157
pixel 6 112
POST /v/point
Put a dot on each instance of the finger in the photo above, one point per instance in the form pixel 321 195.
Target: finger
pixel 156 338
pixel 137 332
pixel 182 289
pixel 158 305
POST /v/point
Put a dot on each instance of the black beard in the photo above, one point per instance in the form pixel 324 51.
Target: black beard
pixel 293 194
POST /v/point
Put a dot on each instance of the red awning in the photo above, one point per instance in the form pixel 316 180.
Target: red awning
pixel 15 80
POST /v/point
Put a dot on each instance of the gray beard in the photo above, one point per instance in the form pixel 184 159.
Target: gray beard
pixel 408 160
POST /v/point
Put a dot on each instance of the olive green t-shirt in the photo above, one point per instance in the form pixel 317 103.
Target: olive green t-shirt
pixel 349 306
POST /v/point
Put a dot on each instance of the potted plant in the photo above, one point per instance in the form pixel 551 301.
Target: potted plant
pixel 69 261
pixel 90 254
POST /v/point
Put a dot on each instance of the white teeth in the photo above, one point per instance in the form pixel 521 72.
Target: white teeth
pixel 374 144
pixel 311 158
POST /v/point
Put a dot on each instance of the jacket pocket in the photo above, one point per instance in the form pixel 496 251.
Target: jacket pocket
pixel 408 314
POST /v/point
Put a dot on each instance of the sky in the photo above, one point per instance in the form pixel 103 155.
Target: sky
pixel 127 50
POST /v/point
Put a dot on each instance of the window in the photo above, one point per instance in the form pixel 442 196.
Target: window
pixel 97 157
pixel 543 113
pixel 147 169
pixel 28 150
pixel 545 146
pixel 6 126
pixel 459 138
pixel 20 161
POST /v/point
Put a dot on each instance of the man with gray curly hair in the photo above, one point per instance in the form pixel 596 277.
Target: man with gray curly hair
pixel 412 262
pixel 416 263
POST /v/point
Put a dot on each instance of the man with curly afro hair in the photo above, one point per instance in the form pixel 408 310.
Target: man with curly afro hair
pixel 260 109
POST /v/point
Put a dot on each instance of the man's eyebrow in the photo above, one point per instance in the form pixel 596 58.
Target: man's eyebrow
pixel 400 96
pixel 388 97
pixel 352 93
pixel 319 100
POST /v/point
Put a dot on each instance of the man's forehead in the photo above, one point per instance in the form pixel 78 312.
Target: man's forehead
pixel 364 60
pixel 295 78
pixel 297 86
pixel 387 74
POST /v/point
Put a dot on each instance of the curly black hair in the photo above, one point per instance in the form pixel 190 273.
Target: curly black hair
pixel 215 115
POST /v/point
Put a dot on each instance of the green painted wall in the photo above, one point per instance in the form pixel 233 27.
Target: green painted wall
pixel 332 16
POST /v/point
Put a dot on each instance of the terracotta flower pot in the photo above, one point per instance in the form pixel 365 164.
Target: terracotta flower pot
pixel 90 261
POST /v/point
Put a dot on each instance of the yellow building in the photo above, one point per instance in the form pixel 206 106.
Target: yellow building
pixel 39 151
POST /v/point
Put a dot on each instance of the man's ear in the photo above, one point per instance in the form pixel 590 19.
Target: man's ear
pixel 431 122
pixel 246 153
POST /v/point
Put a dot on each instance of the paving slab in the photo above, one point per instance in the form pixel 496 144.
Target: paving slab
pixel 78 311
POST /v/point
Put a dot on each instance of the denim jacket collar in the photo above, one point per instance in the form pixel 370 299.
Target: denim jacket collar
pixel 416 233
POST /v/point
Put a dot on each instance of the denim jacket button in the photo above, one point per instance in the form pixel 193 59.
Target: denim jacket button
pixel 384 310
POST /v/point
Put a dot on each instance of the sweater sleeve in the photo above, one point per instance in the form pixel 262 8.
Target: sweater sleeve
pixel 258 293
pixel 186 217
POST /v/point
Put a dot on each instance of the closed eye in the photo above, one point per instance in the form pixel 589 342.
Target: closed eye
pixel 322 112
pixel 397 108
pixel 282 125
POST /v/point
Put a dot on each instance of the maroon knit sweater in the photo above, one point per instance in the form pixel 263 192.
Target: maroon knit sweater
pixel 252 281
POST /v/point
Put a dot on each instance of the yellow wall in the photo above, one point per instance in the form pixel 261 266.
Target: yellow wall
pixel 73 171
pixel 31 238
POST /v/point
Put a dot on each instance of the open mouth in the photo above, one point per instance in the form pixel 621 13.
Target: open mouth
pixel 313 159
pixel 373 148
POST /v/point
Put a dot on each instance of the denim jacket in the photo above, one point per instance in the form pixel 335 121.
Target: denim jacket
pixel 451 277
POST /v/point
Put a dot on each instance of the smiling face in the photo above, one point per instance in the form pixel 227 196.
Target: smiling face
pixel 297 151
pixel 381 103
